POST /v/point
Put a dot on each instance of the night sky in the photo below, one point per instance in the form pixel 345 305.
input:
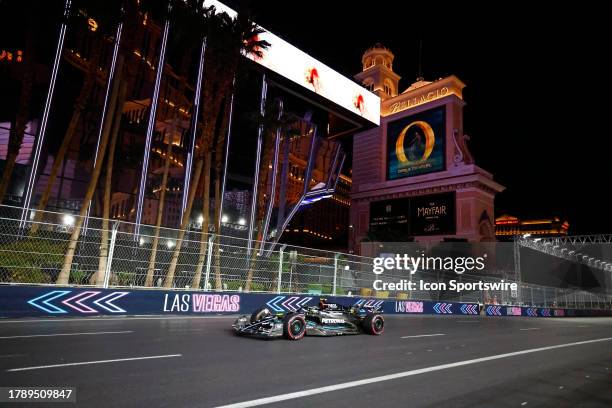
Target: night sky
pixel 535 81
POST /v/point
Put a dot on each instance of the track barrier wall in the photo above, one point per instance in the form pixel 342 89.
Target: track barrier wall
pixel 45 301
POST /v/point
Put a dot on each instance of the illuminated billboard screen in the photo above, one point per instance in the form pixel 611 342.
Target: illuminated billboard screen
pixel 415 144
pixel 433 214
pixel 400 218
pixel 299 67
pixel 389 219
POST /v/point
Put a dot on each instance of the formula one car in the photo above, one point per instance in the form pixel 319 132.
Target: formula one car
pixel 327 319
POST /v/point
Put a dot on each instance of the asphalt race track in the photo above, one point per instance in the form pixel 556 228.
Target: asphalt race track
pixel 198 362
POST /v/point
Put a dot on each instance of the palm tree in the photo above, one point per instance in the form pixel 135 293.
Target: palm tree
pixel 272 121
pixel 226 39
pixel 98 278
pixel 193 187
pixel 186 15
pixel 64 275
pixel 107 16
pixel 160 207
pixel 219 160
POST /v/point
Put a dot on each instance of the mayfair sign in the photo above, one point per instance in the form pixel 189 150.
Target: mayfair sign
pixel 419 99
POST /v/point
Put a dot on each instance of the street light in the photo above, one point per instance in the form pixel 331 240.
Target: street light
pixel 241 221
pixel 224 218
pixel 68 219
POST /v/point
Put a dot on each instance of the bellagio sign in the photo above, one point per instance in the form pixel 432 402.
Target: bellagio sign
pixel 417 100
pixel 423 92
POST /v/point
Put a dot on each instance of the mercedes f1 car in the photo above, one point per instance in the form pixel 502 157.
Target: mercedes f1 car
pixel 327 319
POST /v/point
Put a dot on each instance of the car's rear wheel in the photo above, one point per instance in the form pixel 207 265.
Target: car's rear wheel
pixel 374 324
pixel 294 326
pixel 259 314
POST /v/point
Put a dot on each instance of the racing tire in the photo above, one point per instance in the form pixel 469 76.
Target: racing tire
pixel 259 314
pixel 374 324
pixel 294 327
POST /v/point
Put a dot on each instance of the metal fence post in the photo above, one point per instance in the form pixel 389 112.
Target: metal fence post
pixel 518 276
pixel 111 251
pixel 575 301
pixel 280 268
pixel 545 301
pixel 208 258
pixel 336 256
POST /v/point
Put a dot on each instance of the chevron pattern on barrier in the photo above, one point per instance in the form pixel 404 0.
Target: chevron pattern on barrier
pixel 469 309
pixel 532 311
pixel 443 308
pixel 545 312
pixel 373 303
pixel 494 310
pixel 77 302
pixel 287 303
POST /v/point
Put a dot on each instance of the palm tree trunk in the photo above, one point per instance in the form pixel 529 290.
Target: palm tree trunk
pixel 9 165
pixel 79 107
pixel 116 108
pixel 219 160
pixel 217 255
pixel 205 223
pixel 253 262
pixel 261 204
pixel 63 277
pixel 193 187
pixel 160 211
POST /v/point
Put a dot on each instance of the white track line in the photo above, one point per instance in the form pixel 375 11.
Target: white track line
pixel 422 335
pixel 531 328
pixel 94 362
pixel 65 334
pixel 110 319
pixel 358 383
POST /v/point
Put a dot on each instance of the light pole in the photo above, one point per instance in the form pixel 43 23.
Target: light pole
pixel 45 116
pixel 151 126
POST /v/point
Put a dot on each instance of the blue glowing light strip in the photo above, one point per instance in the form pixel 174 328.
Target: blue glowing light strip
pixel 111 75
pixel 194 128
pixel 150 128
pixel 262 107
pixel 339 171
pixel 311 160
pixel 45 116
pixel 227 144
pixel 274 170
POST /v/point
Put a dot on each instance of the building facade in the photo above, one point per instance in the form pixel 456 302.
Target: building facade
pixel 508 226
pixel 414 177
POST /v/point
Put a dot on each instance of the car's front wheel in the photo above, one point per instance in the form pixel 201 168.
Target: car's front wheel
pixel 374 324
pixel 294 326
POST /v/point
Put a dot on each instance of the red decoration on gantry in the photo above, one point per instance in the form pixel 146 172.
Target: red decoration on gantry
pixel 312 77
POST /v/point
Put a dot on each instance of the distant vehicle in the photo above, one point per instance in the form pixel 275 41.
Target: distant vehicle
pixel 327 319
